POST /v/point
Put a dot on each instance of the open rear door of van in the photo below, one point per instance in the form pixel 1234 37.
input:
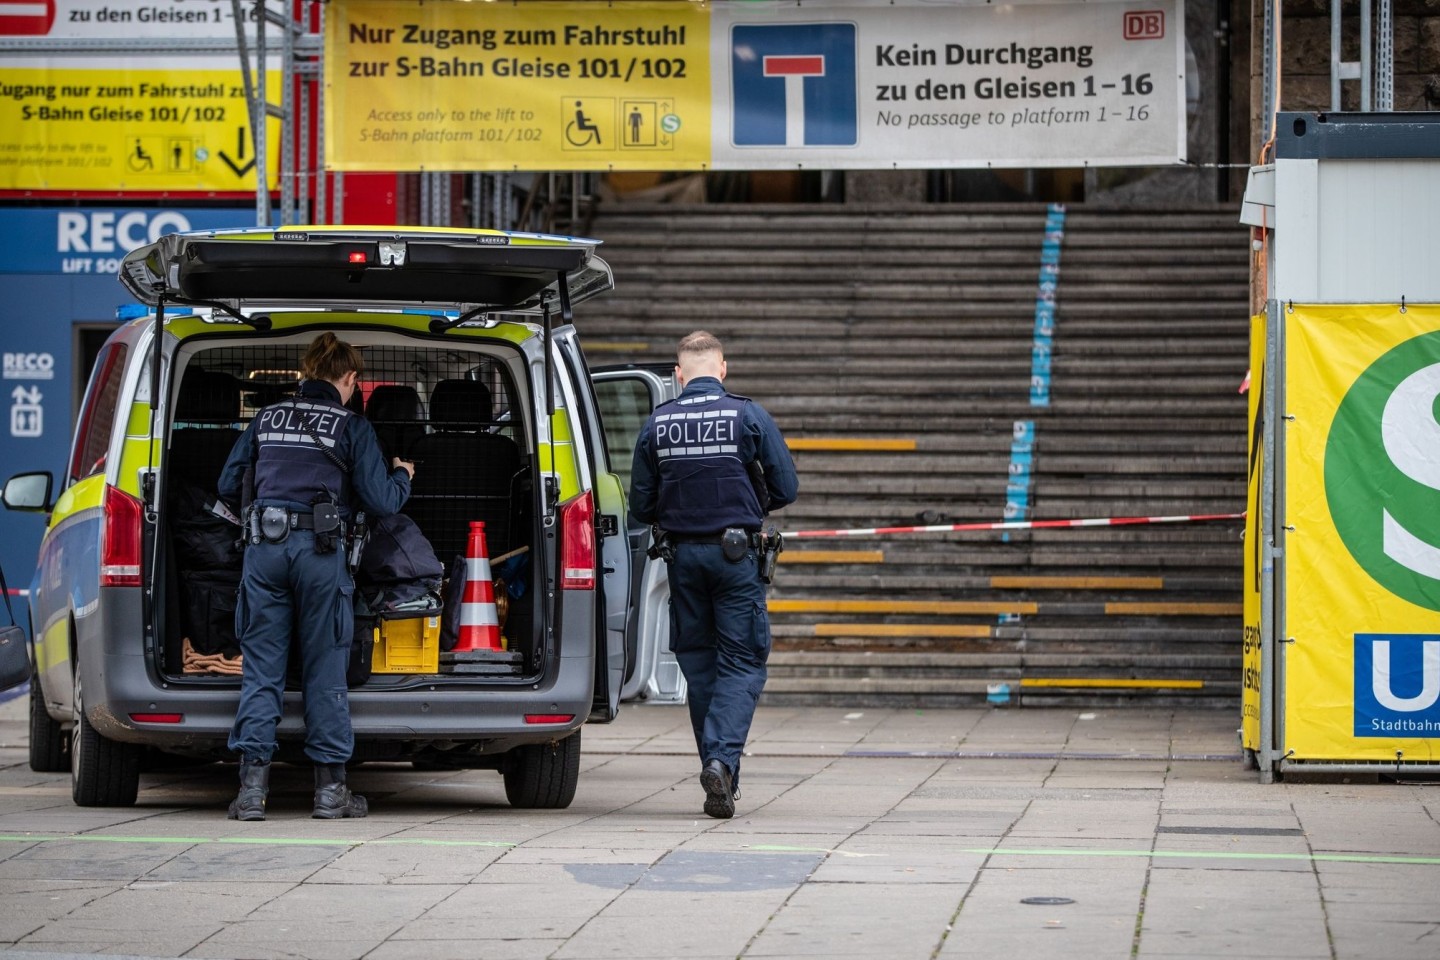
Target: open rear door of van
pixel 626 395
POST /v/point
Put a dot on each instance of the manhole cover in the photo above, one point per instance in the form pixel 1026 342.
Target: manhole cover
pixel 1046 901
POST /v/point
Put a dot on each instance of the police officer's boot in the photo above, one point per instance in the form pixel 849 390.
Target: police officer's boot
pixel 249 804
pixel 719 790
pixel 333 799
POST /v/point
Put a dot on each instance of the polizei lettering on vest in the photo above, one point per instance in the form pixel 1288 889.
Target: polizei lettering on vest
pixel 688 432
pixel 291 420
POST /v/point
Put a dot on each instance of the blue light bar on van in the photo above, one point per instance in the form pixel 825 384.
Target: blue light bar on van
pixel 134 311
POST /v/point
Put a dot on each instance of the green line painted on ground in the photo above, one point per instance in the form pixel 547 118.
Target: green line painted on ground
pixel 1168 854
pixel 1215 855
pixel 274 841
pixel 761 848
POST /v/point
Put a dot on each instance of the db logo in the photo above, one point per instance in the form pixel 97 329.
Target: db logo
pixel 1145 25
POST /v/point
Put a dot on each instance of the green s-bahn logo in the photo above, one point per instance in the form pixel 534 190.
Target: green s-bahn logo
pixel 1382 470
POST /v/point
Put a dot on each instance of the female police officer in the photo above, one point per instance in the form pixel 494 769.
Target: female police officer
pixel 692 477
pixel 314 460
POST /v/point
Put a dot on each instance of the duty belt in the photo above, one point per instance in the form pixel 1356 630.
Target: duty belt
pixel 302 521
pixel 274 523
pixel 754 535
pixel 296 520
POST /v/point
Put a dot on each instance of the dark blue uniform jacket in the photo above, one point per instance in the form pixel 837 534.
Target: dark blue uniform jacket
pixel 690 463
pixel 291 470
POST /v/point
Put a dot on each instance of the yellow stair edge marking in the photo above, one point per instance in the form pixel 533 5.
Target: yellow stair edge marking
pixel 1077 583
pixel 833 556
pixel 618 346
pixel 1179 609
pixel 1091 682
pixel 900 606
pixel 901 630
pixel 847 443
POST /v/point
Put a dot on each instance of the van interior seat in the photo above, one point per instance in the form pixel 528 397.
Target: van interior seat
pixel 205 430
pixel 356 403
pixel 462 471
pixel 398 415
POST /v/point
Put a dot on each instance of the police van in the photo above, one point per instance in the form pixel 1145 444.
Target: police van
pixel 474 372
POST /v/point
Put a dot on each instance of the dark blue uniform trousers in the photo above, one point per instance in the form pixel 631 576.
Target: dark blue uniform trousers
pixel 720 634
pixel 288 589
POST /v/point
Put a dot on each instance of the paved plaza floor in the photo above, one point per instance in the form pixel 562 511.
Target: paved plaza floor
pixel 861 833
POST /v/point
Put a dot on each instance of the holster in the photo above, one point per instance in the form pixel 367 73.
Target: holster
pixel 771 545
pixel 359 535
pixel 662 547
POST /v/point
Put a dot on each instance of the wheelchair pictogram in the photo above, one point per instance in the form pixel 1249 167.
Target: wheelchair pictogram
pixel 589 123
pixel 140 160
pixel 582 131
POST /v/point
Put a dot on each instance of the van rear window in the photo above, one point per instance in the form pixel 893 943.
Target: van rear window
pixel 92 438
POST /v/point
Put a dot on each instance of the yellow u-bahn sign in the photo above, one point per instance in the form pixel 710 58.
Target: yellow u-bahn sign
pixel 1362 544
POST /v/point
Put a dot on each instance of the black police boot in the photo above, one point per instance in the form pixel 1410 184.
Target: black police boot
pixel 333 800
pixel 249 804
pixel 719 794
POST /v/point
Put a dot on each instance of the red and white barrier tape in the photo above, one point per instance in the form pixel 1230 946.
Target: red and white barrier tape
pixel 1015 525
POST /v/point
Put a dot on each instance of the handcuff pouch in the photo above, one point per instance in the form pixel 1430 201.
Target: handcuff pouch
pixel 734 544
pixel 274 524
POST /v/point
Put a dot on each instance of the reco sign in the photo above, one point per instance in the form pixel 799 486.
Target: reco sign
pixel 105 231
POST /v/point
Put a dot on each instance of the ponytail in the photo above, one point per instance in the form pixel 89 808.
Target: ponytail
pixel 330 358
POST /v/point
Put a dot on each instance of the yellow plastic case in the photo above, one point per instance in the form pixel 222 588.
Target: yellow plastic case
pixel 408 645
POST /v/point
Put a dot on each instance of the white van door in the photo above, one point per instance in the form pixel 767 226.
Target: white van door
pixel 626 395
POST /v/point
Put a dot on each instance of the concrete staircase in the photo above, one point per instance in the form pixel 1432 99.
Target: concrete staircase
pixel 895 347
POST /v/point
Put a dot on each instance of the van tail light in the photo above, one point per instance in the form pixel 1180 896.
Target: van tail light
pixel 120 539
pixel 158 717
pixel 577 543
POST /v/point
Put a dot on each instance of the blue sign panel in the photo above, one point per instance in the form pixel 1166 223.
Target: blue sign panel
pixel 794 85
pixel 60 269
pixel 1397 685
pixel 92 240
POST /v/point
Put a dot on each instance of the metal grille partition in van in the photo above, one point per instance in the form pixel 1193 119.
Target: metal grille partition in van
pixel 450 411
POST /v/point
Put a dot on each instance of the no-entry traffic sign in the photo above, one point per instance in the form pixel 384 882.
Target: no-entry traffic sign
pixel 26 18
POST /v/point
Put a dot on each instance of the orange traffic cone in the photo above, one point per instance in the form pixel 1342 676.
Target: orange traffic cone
pixel 479 619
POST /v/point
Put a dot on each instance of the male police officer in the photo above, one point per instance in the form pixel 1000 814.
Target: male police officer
pixel 696 476
pixel 310 456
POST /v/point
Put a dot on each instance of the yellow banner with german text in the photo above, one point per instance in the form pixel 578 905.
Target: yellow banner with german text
pixel 549 86
pixel 143 131
pixel 1361 642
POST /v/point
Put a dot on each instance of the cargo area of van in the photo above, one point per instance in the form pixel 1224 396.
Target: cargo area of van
pixel 453 411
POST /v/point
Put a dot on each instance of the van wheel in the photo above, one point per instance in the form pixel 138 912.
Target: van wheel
pixel 543 775
pixel 103 773
pixel 47 737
